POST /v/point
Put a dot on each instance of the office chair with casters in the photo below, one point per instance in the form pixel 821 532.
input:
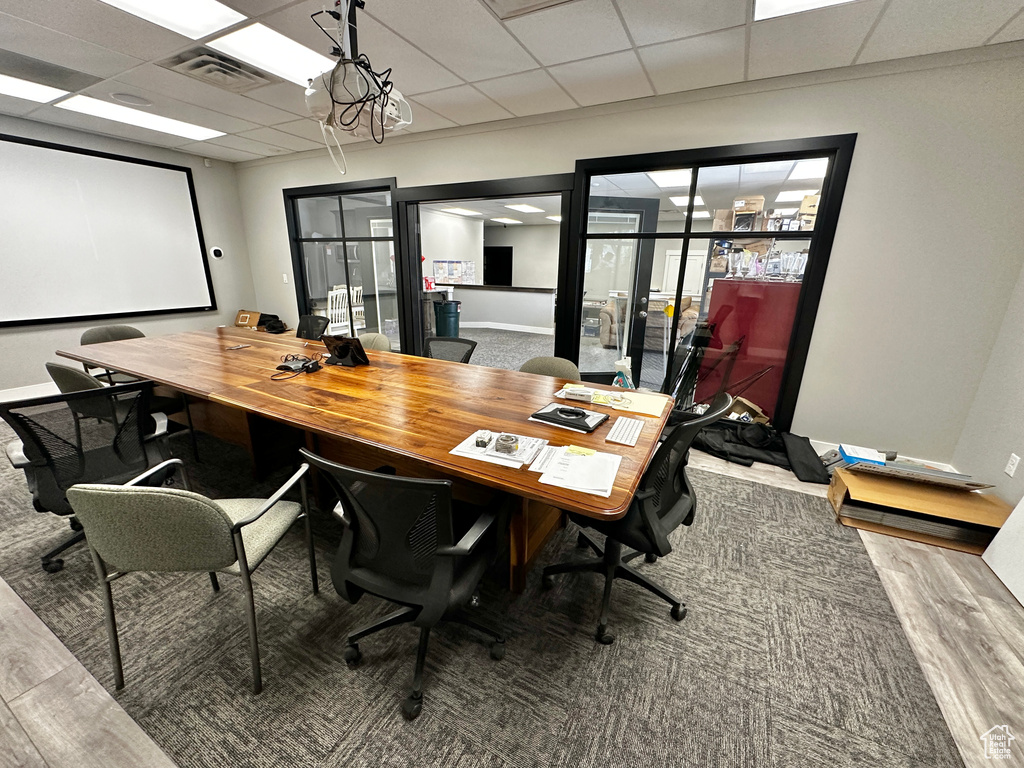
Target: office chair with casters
pixel 137 527
pixel 105 333
pixel 448 348
pixel 399 543
pixel 95 436
pixel 663 501
pixel 558 367
pixel 311 327
pixel 377 341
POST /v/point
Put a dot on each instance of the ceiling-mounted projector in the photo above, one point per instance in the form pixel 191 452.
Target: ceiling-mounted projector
pixel 351 96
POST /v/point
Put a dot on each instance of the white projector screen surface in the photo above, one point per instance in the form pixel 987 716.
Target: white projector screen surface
pixel 83 235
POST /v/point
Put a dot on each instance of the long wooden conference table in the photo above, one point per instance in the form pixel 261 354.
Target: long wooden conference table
pixel 401 410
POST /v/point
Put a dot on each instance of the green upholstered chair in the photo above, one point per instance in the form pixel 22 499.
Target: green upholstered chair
pixel 378 341
pixel 558 367
pixel 136 527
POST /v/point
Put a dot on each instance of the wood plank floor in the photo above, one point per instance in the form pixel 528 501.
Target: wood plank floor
pixel 965 627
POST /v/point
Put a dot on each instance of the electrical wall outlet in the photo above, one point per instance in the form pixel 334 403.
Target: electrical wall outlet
pixel 1011 465
pixel 284 277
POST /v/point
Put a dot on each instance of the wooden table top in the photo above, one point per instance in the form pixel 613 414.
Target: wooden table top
pixel 411 406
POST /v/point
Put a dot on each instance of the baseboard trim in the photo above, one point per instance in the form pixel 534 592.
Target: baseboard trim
pixel 32 390
pixel 510 327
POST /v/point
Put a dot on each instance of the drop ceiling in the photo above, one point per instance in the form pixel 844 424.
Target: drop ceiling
pixel 460 64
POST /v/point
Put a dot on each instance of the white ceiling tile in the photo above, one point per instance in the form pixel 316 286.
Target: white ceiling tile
pixel 310 129
pixel 1013 31
pixel 461 34
pixel 528 93
pixel 425 120
pixel 806 42
pixel 915 27
pixel 205 149
pixel 697 62
pixel 287 96
pixel 281 139
pixel 412 71
pixel 159 80
pixel 99 23
pixel 595 26
pixel 655 21
pixel 12 106
pixel 247 145
pixel 254 8
pixel 463 104
pixel 103 127
pixel 36 41
pixel 615 77
pixel 168 107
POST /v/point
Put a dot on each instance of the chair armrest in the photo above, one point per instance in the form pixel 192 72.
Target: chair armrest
pixel 163 465
pixel 16 455
pixel 159 426
pixel 278 495
pixel 472 537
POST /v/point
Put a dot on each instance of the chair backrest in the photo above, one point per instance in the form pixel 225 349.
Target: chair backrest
pixel 449 348
pixel 337 304
pixel 397 523
pixel 311 326
pixel 664 482
pixel 110 333
pixel 63 449
pixel 70 379
pixel 558 367
pixel 377 341
pixel 153 529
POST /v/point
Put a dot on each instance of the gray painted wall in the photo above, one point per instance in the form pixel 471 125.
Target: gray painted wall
pixel 534 253
pixel 24 350
pixel 908 316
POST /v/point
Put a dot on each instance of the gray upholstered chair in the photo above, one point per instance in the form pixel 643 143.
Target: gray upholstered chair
pixel 105 333
pixel 378 341
pixel 448 348
pixel 135 527
pixel 558 367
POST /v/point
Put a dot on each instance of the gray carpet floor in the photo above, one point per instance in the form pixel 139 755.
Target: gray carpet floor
pixel 791 654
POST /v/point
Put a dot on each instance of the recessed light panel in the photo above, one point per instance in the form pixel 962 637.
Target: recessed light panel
pixel 785 211
pixel 795 195
pixel 701 215
pixel 554 218
pixel 523 208
pixel 23 89
pixel 810 169
pixel 507 221
pixel 461 211
pixel 269 50
pixel 684 200
pixel 670 179
pixel 191 18
pixel 108 111
pixel 769 9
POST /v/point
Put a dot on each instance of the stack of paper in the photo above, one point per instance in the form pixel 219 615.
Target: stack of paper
pixel 528 449
pixel 578 469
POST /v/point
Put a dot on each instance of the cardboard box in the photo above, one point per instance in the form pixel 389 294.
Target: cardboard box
pixel 247 318
pixel 723 220
pixel 748 204
pixel 903 497
pixel 810 205
pixel 740 406
pixel 807 222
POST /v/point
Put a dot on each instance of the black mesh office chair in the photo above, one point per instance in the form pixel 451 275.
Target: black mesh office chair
pixel 311 327
pixel 104 333
pixel 399 543
pixel 663 501
pixel 449 348
pixel 94 436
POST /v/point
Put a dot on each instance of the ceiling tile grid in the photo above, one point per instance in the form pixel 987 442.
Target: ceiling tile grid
pixel 459 64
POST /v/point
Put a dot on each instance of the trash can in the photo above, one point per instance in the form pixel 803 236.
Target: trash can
pixel 446 316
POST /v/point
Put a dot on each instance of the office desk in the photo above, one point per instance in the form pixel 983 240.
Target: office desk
pixel 401 410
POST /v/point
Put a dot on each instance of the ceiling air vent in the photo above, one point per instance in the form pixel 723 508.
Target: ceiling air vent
pixel 510 9
pixel 219 70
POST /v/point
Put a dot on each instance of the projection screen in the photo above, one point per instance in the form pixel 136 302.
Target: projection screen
pixel 89 235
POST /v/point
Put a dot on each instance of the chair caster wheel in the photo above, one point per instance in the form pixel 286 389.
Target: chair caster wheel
pixel 412 706
pixel 52 566
pixel 498 650
pixel 603 636
pixel 650 558
pixel 75 525
pixel 581 542
pixel 679 612
pixel 353 656
pixel 547 582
